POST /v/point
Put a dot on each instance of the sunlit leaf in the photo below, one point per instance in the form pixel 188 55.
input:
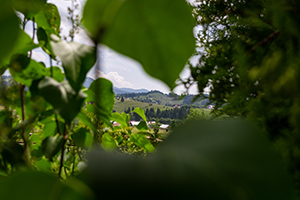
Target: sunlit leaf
pixel 101 96
pixel 77 60
pixel 108 142
pixel 49 19
pixel 86 121
pixel 141 141
pixel 117 117
pixel 141 113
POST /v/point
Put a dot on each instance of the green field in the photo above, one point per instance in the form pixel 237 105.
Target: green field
pixel 121 106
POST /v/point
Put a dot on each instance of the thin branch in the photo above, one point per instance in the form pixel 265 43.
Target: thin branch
pixel 264 41
pixel 66 136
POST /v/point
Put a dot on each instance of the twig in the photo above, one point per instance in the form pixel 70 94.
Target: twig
pixel 264 41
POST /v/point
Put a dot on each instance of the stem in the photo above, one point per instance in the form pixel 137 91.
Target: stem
pixel 23 134
pixel 66 136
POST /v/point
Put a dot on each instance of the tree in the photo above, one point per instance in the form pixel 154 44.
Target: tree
pixel 122 99
pixel 248 56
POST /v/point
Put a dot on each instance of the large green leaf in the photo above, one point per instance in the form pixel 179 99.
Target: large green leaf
pixel 62 97
pixel 101 95
pixel 98 15
pixel 77 60
pixel 29 7
pixel 229 160
pixel 9 31
pixel 141 141
pixel 158 34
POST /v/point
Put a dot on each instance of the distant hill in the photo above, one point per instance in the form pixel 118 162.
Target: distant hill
pixel 159 98
pixel 88 81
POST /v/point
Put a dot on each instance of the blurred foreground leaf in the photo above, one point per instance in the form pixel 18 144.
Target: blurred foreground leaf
pixel 200 160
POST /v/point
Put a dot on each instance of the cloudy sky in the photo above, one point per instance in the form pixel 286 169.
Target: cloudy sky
pixel 121 70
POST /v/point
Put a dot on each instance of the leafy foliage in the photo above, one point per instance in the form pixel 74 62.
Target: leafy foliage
pixel 48 122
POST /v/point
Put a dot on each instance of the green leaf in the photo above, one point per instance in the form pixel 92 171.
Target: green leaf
pixel 101 94
pixel 158 34
pixel 23 44
pixel 24 70
pixel 141 113
pixel 49 19
pixel 52 145
pixel 44 39
pixel 141 141
pixel 9 31
pixel 108 142
pixel 77 60
pixel 83 138
pixel 29 7
pixel 33 185
pixel 142 126
pixel 97 15
pixel 43 165
pixel 86 121
pixel 62 97
pixel 58 74
pixel 228 160
pixel 117 117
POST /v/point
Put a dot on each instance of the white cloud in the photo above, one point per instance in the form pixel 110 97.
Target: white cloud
pixel 114 77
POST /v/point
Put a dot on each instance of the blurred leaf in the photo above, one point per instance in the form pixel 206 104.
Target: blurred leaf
pixel 158 34
pixel 77 60
pixel 49 19
pixel 97 15
pixel 9 31
pixel 108 142
pixel 52 145
pixel 43 165
pixel 101 95
pixel 24 70
pixel 50 128
pixel 229 160
pixel 83 138
pixel 29 7
pixel 141 113
pixel 62 97
pixel 34 185
pixel 58 74
pixel 141 141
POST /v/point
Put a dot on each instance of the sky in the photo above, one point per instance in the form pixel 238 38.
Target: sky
pixel 122 71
